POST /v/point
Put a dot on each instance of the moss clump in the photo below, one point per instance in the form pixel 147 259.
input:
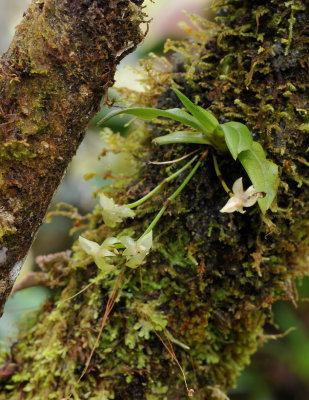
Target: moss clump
pixel 209 283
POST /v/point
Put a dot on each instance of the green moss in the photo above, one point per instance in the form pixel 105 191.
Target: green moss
pixel 209 283
pixel 16 150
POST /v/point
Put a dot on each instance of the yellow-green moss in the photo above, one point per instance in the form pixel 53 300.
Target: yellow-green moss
pixel 211 278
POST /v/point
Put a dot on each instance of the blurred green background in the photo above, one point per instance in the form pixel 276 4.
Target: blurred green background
pixel 280 369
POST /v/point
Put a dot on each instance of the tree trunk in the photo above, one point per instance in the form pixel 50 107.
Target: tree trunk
pixel 211 278
pixel 60 63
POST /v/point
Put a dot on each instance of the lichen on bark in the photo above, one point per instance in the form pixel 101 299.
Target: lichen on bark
pixel 209 283
pixel 52 78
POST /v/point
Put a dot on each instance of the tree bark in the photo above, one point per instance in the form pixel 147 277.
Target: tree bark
pixel 208 285
pixel 58 67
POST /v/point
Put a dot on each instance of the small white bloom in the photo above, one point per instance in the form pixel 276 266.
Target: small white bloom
pixel 99 253
pixel 95 250
pixel 113 213
pixel 241 198
pixel 136 252
pixel 89 246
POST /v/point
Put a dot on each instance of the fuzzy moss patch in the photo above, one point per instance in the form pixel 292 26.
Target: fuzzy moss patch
pixel 209 283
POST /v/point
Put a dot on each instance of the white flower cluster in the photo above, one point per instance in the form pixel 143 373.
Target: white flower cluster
pixel 135 251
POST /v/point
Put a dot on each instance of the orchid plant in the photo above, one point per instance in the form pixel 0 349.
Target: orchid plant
pixel 231 137
pixel 204 129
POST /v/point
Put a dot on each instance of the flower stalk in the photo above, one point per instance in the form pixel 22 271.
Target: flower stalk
pixel 175 194
pixel 161 184
pixel 218 173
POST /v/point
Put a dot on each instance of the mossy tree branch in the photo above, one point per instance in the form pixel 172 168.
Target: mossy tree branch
pixel 211 278
pixel 60 63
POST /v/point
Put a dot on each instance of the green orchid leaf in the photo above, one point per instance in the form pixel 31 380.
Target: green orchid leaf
pixel 150 113
pixel 262 173
pixel 207 120
pixel 182 137
pixel 237 137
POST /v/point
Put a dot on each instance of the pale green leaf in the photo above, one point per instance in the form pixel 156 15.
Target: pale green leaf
pixel 173 340
pixel 208 121
pixel 304 127
pixel 131 338
pixel 182 137
pixel 150 113
pixel 144 328
pixel 237 137
pixel 262 173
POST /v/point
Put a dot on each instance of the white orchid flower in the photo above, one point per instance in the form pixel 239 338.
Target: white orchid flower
pixel 113 213
pixel 89 246
pixel 136 252
pixel 96 250
pixel 99 253
pixel 241 198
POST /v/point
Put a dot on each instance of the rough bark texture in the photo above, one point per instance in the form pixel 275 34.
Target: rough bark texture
pixel 52 78
pixel 211 278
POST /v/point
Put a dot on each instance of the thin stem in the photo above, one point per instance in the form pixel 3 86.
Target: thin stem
pixel 173 161
pixel 171 352
pixel 108 309
pixel 175 194
pixel 225 187
pixel 88 286
pixel 161 184
pixel 155 220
